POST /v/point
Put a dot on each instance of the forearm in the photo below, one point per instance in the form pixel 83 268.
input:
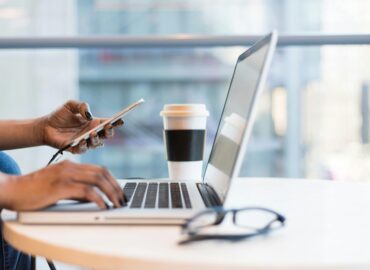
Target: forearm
pixel 21 133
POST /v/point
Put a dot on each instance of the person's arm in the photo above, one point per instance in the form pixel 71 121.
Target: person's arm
pixel 20 133
pixel 56 129
pixel 64 180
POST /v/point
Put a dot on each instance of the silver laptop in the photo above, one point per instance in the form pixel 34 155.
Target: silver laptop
pixel 159 201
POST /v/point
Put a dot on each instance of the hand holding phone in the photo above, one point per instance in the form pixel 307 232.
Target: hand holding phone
pixel 101 126
pixel 60 128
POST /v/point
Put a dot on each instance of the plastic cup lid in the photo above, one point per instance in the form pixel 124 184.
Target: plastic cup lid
pixel 179 110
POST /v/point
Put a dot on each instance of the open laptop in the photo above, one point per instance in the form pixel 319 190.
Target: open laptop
pixel 160 201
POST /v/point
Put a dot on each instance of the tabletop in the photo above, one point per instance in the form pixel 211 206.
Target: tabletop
pixel 327 227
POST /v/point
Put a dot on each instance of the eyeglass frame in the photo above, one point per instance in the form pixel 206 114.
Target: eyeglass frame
pixel 221 213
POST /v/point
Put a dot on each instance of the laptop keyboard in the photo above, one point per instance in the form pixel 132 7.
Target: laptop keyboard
pixel 151 195
pixel 157 195
pixel 163 196
pixel 129 190
pixel 139 195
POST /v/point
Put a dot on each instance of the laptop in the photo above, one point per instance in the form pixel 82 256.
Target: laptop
pixel 160 201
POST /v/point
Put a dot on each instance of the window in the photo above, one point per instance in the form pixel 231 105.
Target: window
pixel 313 119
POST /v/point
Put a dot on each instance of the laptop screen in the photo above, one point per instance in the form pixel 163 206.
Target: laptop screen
pixel 236 117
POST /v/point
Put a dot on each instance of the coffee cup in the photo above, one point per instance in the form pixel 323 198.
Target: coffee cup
pixel 184 132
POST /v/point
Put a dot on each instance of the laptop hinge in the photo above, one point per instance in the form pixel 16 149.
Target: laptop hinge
pixel 209 195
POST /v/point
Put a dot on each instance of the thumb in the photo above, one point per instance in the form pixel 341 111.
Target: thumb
pixel 85 111
pixel 80 107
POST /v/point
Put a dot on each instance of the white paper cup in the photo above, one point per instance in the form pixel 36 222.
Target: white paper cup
pixel 184 138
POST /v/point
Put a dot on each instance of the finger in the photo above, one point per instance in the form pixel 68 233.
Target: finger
pixel 101 121
pixel 108 132
pixel 97 177
pixel 101 182
pixel 95 141
pixel 72 106
pixel 79 107
pixel 107 175
pixel 82 191
pixel 118 123
pixel 84 110
pixel 80 148
pixel 115 184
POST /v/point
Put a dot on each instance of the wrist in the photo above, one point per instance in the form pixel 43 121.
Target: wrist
pixel 39 127
pixel 8 191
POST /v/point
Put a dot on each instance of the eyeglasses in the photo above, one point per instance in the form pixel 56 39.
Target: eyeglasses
pixel 237 224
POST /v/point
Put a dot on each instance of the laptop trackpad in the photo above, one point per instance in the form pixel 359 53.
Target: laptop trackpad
pixel 73 206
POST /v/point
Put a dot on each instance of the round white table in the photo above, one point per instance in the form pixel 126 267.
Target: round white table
pixel 327 227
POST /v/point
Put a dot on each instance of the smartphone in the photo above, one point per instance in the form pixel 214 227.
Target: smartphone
pixel 101 126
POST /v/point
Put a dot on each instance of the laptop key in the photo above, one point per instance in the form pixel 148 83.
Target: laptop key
pixel 175 195
pixel 138 198
pixel 151 195
pixel 185 194
pixel 129 189
pixel 163 196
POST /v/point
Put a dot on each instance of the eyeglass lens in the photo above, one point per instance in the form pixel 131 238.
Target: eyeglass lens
pixel 253 218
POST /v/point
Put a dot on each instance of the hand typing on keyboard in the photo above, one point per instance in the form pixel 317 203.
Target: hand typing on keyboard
pixel 108 203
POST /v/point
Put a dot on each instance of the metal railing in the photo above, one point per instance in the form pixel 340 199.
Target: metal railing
pixel 175 41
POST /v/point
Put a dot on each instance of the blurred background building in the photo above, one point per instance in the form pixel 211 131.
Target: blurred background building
pixel 313 118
